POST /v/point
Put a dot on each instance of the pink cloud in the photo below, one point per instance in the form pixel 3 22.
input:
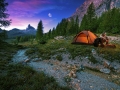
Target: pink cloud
pixel 28 5
pixel 28 8
pixel 22 13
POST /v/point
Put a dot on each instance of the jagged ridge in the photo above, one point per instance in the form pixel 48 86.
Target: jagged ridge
pixel 100 7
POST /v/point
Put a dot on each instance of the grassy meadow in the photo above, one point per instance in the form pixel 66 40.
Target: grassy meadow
pixel 53 47
pixel 22 77
pixel 57 47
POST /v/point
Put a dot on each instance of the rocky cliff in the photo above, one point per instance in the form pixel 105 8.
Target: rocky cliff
pixel 100 7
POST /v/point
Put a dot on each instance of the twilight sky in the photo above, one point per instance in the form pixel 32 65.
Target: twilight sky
pixel 24 12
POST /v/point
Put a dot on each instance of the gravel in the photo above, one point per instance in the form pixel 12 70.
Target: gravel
pixel 57 69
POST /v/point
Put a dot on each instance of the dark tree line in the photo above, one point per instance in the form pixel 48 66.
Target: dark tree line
pixel 3 19
pixel 3 15
pixel 20 39
pixel 64 28
pixel 110 21
pixel 3 35
pixel 107 22
pixel 89 21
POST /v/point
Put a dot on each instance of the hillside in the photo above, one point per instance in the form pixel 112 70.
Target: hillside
pixel 100 7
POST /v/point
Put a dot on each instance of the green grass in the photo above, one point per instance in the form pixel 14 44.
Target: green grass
pixel 21 77
pixel 93 60
pixel 56 47
pixel 59 57
pixel 53 47
pixel 111 54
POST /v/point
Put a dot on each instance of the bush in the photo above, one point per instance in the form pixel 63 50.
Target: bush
pixel 67 79
pixel 42 42
pixel 93 60
pixel 30 51
pixel 59 57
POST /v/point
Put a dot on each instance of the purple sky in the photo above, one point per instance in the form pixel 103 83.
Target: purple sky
pixel 24 12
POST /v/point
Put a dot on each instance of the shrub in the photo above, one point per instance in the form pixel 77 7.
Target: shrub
pixel 67 79
pixel 59 57
pixel 93 60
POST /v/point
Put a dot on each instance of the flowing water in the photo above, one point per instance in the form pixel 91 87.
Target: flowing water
pixel 20 56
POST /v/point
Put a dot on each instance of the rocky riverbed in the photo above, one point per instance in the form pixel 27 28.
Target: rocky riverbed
pixel 79 80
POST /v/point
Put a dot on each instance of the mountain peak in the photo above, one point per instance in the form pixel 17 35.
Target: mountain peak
pixel 29 25
pixel 29 28
pixel 100 7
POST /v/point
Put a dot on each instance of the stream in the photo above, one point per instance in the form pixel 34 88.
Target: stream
pixel 84 80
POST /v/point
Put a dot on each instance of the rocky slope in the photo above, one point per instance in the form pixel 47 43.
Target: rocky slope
pixel 68 71
pixel 100 6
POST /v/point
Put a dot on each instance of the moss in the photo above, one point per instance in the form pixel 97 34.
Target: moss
pixel 93 60
pixel 59 57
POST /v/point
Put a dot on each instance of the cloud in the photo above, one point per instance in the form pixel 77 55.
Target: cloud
pixel 49 15
pixel 26 8
pixel 24 12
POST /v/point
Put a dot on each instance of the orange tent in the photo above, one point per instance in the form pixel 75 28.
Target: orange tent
pixel 84 37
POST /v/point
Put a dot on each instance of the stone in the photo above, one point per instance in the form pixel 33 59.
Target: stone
pixel 74 75
pixel 91 86
pixel 78 81
pixel 106 63
pixel 27 60
pixel 59 37
pixel 105 70
pixel 68 66
pixel 70 75
pixel 77 86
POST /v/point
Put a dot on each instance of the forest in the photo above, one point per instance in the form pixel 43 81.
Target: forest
pixel 107 22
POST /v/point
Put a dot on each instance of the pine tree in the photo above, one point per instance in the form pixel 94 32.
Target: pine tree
pixel 5 36
pixel 89 20
pixel 50 34
pixel 53 32
pixel 84 23
pixel 109 21
pixel 76 25
pixel 58 29
pixel 63 26
pixel 72 27
pixel 3 15
pixel 39 33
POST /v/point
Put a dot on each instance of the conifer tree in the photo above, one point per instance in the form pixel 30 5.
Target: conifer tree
pixel 39 33
pixel 72 27
pixel 109 21
pixel 3 15
pixel 84 23
pixel 3 18
pixel 89 19
pixel 76 25
pixel 53 33
pixel 50 34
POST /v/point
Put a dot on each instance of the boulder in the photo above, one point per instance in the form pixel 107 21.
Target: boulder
pixel 106 64
pixel 105 70
pixel 58 37
pixel 27 60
